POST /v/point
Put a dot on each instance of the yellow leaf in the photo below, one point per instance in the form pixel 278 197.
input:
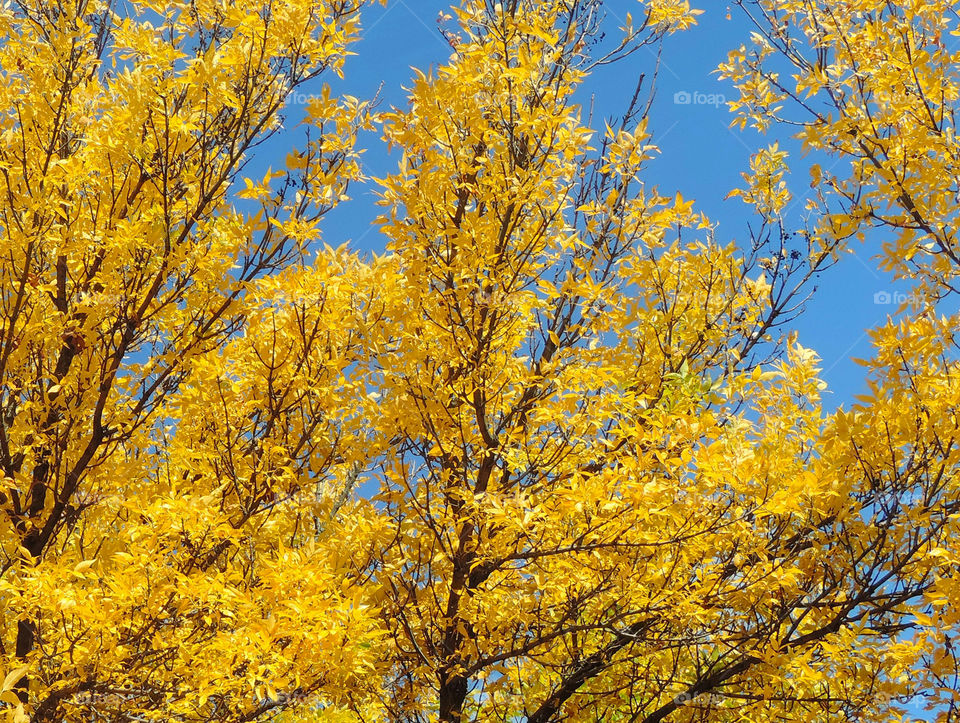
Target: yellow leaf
pixel 13 677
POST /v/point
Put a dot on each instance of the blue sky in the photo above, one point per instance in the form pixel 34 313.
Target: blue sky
pixel 701 155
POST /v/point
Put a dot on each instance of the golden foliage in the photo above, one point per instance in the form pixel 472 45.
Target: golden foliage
pixel 544 459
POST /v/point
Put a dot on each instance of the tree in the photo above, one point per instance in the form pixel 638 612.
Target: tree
pixel 170 445
pixel 873 86
pixel 606 488
pixel 608 505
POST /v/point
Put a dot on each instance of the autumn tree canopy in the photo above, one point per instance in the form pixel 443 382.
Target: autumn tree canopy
pixel 552 456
